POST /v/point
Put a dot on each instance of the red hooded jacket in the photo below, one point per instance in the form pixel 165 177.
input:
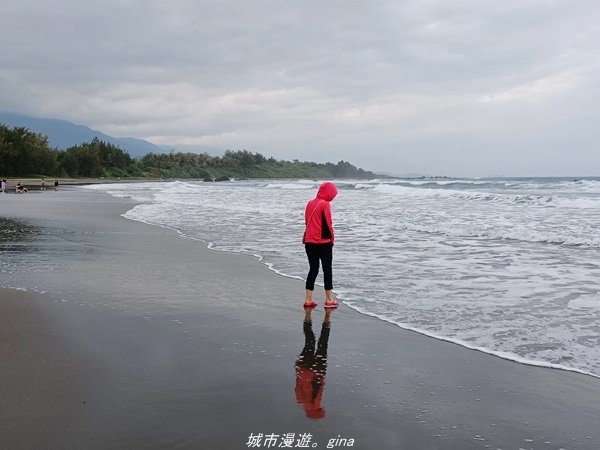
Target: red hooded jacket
pixel 317 216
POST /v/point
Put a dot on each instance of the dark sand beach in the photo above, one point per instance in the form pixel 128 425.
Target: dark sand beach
pixel 140 338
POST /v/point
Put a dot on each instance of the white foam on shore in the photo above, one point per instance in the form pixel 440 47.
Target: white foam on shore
pixel 22 289
pixel 503 355
pixel 535 200
pixel 585 303
pixel 14 288
pixel 289 186
pixel 209 245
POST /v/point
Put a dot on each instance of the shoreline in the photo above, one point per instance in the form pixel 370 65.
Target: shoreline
pixel 34 184
pixel 385 387
pixel 499 354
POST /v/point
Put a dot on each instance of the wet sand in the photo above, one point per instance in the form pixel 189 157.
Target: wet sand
pixel 144 339
pixel 35 184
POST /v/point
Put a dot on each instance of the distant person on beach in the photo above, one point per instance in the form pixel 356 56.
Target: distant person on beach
pixel 43 184
pixel 56 185
pixel 311 367
pixel 20 188
pixel 318 241
pixel 3 186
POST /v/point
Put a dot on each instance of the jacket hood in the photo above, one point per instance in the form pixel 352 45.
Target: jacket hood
pixel 327 191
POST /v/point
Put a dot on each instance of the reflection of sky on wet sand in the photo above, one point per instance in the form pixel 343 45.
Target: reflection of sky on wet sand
pixel 28 248
pixel 16 236
pixel 19 252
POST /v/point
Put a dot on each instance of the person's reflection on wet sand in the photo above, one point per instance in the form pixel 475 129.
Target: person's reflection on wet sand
pixel 311 367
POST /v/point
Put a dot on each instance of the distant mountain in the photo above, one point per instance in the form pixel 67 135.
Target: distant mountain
pixel 62 134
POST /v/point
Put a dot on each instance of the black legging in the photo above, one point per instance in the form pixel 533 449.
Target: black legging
pixel 324 254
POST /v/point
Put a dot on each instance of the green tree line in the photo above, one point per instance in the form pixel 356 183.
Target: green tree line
pixel 27 154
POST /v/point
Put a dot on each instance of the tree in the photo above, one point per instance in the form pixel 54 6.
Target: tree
pixel 23 152
pixel 95 158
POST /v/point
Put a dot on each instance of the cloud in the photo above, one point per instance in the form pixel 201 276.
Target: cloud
pixel 411 84
pixel 543 88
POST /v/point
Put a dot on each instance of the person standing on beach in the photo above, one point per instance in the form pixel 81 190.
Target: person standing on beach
pixel 56 185
pixel 43 184
pixel 3 186
pixel 318 241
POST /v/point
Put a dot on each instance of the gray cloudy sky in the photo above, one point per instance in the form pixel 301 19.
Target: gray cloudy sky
pixel 454 87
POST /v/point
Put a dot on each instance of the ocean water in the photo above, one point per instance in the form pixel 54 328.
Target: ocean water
pixel 506 266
